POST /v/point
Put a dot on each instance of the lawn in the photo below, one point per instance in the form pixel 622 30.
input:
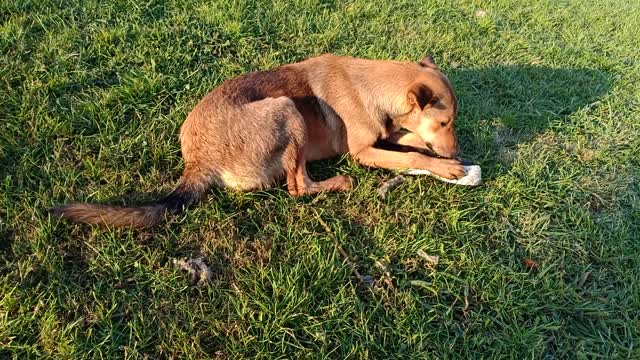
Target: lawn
pixel 542 261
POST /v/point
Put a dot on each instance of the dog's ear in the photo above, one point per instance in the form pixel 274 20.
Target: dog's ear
pixel 428 63
pixel 419 95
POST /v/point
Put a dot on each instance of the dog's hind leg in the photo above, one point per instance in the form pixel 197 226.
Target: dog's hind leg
pixel 299 183
pixel 294 160
pixel 281 141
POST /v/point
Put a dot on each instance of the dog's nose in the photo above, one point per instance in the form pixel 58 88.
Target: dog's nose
pixel 456 151
pixel 450 153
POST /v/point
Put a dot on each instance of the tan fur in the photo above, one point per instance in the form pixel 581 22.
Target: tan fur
pixel 253 130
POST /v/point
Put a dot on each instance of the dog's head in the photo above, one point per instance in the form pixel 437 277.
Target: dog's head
pixel 433 107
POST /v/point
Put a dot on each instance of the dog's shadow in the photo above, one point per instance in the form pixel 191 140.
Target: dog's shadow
pixel 503 106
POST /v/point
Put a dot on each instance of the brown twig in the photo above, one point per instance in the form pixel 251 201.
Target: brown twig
pixel 432 260
pixel 389 185
pixel 343 253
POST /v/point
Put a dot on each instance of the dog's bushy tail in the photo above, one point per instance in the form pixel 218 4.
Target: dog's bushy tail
pixel 187 193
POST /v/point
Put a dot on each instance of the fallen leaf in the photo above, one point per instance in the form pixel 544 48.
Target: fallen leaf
pixel 531 264
pixel 432 260
pixel 197 268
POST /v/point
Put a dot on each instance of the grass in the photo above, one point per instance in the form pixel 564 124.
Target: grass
pixel 92 97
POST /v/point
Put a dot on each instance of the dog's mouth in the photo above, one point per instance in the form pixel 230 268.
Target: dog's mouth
pixel 427 149
pixel 431 152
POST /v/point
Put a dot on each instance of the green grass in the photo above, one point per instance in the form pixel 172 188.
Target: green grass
pixel 92 94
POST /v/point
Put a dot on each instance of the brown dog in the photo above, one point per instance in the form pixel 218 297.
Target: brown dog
pixel 257 128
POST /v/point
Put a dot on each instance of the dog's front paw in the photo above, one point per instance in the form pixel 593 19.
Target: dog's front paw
pixel 448 168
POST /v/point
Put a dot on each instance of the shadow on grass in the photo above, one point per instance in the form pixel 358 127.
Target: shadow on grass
pixel 503 106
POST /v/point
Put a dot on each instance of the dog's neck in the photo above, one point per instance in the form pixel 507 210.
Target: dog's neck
pixel 383 89
pixel 389 104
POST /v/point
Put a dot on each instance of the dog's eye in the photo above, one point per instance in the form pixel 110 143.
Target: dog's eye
pixel 433 101
pixel 444 124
